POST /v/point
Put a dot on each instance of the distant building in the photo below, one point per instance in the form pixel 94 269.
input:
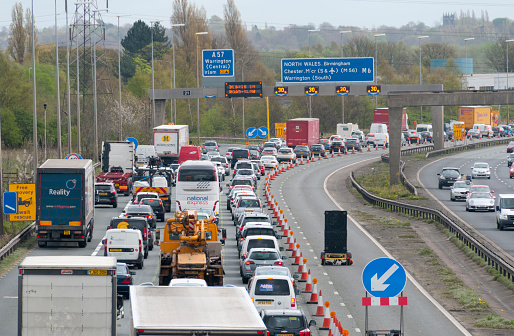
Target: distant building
pixel 449 20
pixel 489 81
pixel 465 65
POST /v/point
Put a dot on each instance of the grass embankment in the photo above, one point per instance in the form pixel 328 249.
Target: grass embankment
pixel 11 229
pixel 17 255
pixel 377 183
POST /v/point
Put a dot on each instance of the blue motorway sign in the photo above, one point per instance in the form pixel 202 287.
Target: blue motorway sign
pixel 134 141
pixel 263 132
pixel 251 132
pixel 218 63
pixel 10 202
pixel 323 70
pixel 384 277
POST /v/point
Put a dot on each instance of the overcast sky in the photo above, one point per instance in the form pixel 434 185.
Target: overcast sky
pixel 280 13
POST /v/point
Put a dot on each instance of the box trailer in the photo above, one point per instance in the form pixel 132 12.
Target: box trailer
pixel 168 139
pixel 472 115
pixel 67 295
pixel 381 115
pixel 302 131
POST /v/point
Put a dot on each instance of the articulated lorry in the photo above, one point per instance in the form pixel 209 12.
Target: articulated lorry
pixel 117 165
pixel 189 311
pixel 381 116
pixel 472 115
pixel 67 295
pixel 168 139
pixel 302 131
pixel 65 196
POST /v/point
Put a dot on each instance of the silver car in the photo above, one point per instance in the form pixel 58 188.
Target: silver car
pixel 244 205
pixel 286 154
pixel 259 257
pixel 460 190
pixel 480 169
pixel 480 201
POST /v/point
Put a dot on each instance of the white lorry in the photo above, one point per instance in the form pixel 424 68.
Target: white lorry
pixel 168 139
pixel 186 311
pixel 67 295
pixel 345 130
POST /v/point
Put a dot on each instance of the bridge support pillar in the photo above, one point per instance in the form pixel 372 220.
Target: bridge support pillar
pixel 395 134
pixel 160 112
pixel 437 126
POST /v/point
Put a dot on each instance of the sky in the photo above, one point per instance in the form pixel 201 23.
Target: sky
pixel 360 13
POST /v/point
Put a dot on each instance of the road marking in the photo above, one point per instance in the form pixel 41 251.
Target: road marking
pixel 357 330
pixel 10 297
pixel 98 247
pixel 325 273
pixel 342 304
pixel 315 258
pixel 349 316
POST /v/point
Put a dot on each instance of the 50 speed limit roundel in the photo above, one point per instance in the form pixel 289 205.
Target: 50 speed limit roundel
pixel 166 138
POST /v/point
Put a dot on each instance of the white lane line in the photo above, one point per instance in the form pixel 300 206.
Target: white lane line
pixel 342 304
pixel 349 316
pixel 389 255
pixel 357 330
pixel 315 258
pixel 336 293
pixel 330 283
pixel 325 273
pixel 98 247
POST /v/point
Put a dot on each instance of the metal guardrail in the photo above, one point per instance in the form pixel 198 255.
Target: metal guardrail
pixel 232 140
pixel 494 257
pixel 480 144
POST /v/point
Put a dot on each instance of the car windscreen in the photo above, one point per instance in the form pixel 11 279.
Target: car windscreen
pixel 285 151
pixel 507 203
pixel 154 203
pixel 281 322
pixel 259 232
pixel 141 197
pixel 260 243
pixel 210 144
pixel 264 255
pixel 450 173
pixel 479 189
pixel 272 287
pixel 249 203
pixel 247 172
pixel 241 182
pixel 461 185
pixel 240 153
pixel 197 175
pixel 481 165
pixel 272 271
pixel 103 187
pixel 256 219
pixel 121 269
pixel 244 165
pixel 219 159
pixel 480 195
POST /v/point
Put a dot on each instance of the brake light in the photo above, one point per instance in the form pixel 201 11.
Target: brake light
pixel 149 216
pixel 293 302
pixel 305 332
pixel 279 263
pixel 113 192
pixel 146 233
pixel 267 333
pixel 140 246
pixel 126 280
pixel 244 256
pixel 249 262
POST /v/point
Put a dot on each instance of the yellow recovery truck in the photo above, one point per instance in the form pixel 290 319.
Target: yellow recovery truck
pixel 191 249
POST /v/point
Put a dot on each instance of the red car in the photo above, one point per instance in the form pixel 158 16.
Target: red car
pixel 261 166
pixel 510 147
pixel 481 189
pixel 511 172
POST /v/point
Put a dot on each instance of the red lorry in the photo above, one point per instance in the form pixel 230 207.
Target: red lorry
pixel 302 131
pixel 118 165
pixel 381 116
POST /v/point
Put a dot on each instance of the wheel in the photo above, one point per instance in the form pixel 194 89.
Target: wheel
pixel 82 244
pixel 440 186
pixel 162 219
pixel 90 236
pixel 467 208
pixel 115 205
pixel 140 265
pixel 497 225
pixel 150 247
pixel 245 280
pixel 126 193
pixel 452 199
pixel 41 244
pixel 488 177
pixel 146 253
pixel 323 262
pixel 501 227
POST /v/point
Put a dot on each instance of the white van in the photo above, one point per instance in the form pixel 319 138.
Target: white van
pixel 346 130
pixel 143 152
pixel 378 128
pixel 382 140
pixel 272 292
pixel 126 245
pixel 424 128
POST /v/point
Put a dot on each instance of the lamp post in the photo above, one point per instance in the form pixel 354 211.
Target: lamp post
pixel 171 87
pixel 242 80
pixel 59 148
pixel 198 86
pixel 119 77
pixel 153 77
pixel 508 107
pixel 420 78
pixel 173 101
pixel 310 98
pixel 34 108
pixel 68 79
pixel 342 97
pixel 466 48
pixel 376 64
pixel 44 107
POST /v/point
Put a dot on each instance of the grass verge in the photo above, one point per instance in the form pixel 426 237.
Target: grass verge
pixel 19 253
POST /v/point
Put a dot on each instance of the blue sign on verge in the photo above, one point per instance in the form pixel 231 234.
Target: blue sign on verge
pixel 251 132
pixel 10 203
pixel 311 70
pixel 384 277
pixel 263 132
pixel 218 63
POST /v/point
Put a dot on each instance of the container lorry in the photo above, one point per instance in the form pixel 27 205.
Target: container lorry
pixel 67 295
pixel 345 130
pixel 117 165
pixel 65 197
pixel 381 115
pixel 472 115
pixel 187 311
pixel 168 139
pixel 302 131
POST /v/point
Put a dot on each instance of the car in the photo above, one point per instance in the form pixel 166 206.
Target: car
pixel 269 161
pixel 205 157
pixel 260 165
pixel 157 207
pixel 208 215
pixel 460 189
pixel 480 189
pixel 224 163
pixel 242 180
pixel 187 282
pixel 352 143
pixel 480 169
pixel 246 204
pixel 319 150
pixel 273 292
pixel 144 194
pixel 254 147
pixel 247 172
pixel 448 176
pixel 286 154
pixel 228 153
pixel 142 211
pixel 212 154
pixel 273 270
pixel 474 133
pixel 239 154
pixel 255 229
pixel 426 136
pixel 498 131
pixel 510 159
pixel 243 164
pixel 270 144
pixel 370 139
pixel 252 217
pixel 291 322
pixel 236 197
pixel 136 223
pixel 124 279
pixel 325 143
pixel 337 145
pixel 359 135
pixel 302 151
pixel 269 151
pixel 510 147
pixel 209 146
pixel 105 193
pixel 258 257
pixel 334 137
pixel 254 154
pixel 505 211
pixel 480 201
pixel 258 242
pixel 279 142
pixel 220 169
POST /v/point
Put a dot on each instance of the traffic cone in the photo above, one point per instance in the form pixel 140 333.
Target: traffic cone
pixel 296 163
pixel 299 255
pixel 300 267
pixel 290 241
pixel 308 160
pixel 360 150
pixel 409 143
pixel 295 249
pixel 304 277
pixel 339 153
pixel 333 154
pixel 314 293
pixel 376 147
pixel 287 167
pixel 308 285
pixel 369 148
pixel 319 157
pixel 425 141
pixel 353 150
pixel 326 318
pixel 319 308
pixel 332 325
pixel 418 142
pixel 286 228
pixel 301 162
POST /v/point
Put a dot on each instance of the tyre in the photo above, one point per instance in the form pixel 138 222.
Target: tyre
pixel 162 219
pixel 440 186
pixel 140 265
pixel 115 205
pixel 90 236
pixel 126 193
pixel 41 244
pixel 452 199
pixel 245 280
pixel 501 227
pixel 146 253
pixel 82 244
pixel 323 262
pixel 150 247
pixel 467 209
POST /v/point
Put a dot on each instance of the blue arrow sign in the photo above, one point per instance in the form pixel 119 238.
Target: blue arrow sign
pixel 251 132
pixel 10 203
pixel 263 132
pixel 323 70
pixel 133 140
pixel 384 277
pixel 218 63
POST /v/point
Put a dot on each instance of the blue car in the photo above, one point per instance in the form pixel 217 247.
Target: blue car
pixel 326 143
pixel 124 279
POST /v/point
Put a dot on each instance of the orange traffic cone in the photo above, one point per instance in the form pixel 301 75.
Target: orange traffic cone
pixel 290 241
pixel 376 147
pixel 319 308
pixel 332 329
pixel 308 285
pixel 301 266
pixel 353 150
pixel 339 153
pixel 314 293
pixel 369 148
pixel 296 163
pixel 319 157
pixel 295 249
pixel 286 228
pixel 333 154
pixel 326 318
pixel 299 255
pixel 360 150
pixel 305 275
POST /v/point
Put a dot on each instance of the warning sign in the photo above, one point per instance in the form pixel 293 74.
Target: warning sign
pixel 26 202
pixel 280 130
pixel 458 131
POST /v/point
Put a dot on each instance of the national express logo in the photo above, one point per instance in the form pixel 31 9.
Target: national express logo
pixel 203 185
pixel 197 200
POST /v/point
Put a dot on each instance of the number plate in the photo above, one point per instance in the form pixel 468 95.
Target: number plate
pixel 97 272
pixel 115 250
pixel 248 210
pixel 67 232
pixel 116 186
pixel 264 302
pixel 284 334
pixel 103 194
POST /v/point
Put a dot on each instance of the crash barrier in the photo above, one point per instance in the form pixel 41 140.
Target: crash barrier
pixel 493 256
pixel 14 243
pixel 496 142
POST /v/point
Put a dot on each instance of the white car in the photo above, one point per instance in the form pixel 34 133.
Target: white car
pixel 480 169
pixel 480 201
pixel 460 189
pixel 269 161
pixel 286 154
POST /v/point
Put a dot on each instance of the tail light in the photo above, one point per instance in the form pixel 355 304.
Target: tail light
pixel 267 333
pixel 127 216
pixel 305 332
pixel 244 256
pixel 126 280
pixel 140 246
pixel 249 262
pixel 145 234
pixel 293 302
pixel 113 192
pixel 149 216
pixel 215 205
pixel 279 263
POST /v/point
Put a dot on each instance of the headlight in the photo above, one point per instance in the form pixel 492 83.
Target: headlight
pixel 491 202
pixel 503 216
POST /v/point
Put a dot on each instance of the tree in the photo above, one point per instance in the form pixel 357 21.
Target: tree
pixel 140 35
pixel 28 29
pixel 17 34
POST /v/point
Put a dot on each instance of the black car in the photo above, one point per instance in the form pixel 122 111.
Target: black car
pixel 157 207
pixel 352 143
pixel 239 154
pixel 337 146
pixel 510 159
pixel 105 193
pixel 498 131
pixel 143 211
pixel 286 322
pixel 448 176
pixel 302 151
pixel 137 223
pixel 124 279
pixel 426 136
pixel 319 150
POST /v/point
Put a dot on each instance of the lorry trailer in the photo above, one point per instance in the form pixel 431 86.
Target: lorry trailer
pixel 168 139
pixel 302 131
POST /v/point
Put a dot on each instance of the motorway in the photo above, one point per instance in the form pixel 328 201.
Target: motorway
pixel 484 222
pixel 301 193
